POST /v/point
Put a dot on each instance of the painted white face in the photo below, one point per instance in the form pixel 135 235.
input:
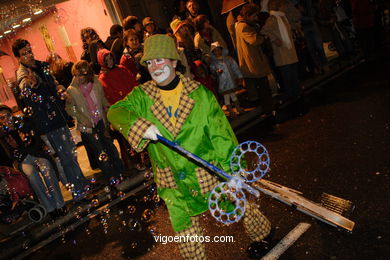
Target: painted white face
pixel 162 70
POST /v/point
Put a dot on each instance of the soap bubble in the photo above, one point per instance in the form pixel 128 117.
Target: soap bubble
pixel 131 209
pixel 103 157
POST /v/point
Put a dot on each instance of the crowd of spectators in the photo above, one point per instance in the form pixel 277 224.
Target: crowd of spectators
pixel 281 40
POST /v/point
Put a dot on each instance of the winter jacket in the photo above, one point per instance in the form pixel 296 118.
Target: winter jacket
pixel 281 54
pixel 77 106
pixel 47 111
pixel 230 71
pixel 253 62
pixel 117 82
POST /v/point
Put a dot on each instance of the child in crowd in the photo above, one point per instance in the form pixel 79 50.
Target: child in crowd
pixel 202 75
pixel 132 55
pixel 229 76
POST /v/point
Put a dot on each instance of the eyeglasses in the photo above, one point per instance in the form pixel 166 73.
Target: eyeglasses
pixel 86 74
pixel 26 52
pixel 4 117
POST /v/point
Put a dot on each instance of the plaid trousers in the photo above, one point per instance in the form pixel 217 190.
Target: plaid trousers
pixel 256 225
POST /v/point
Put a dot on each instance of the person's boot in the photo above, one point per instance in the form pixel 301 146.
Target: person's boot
pixel 258 249
pixel 62 211
pixel 240 110
pixel 231 111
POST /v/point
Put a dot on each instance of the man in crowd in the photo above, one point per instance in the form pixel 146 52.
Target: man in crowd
pixel 41 103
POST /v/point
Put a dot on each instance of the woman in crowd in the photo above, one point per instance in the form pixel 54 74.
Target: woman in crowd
pixel 205 35
pixel 62 70
pixel 86 102
pixel 253 62
pixel 91 44
pixel 278 29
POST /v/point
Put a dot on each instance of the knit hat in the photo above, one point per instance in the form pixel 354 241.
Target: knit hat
pixel 215 45
pixel 115 29
pixel 159 46
pixel 5 107
pixel 176 24
pixel 147 20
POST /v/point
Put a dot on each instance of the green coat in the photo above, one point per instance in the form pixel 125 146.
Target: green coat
pixel 201 128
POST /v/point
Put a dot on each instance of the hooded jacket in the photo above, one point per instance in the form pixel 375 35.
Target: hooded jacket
pixel 230 70
pixel 117 82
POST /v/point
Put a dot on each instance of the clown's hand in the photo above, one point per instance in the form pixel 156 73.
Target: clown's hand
pixel 151 133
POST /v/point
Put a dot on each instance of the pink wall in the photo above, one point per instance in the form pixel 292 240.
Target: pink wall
pixel 73 15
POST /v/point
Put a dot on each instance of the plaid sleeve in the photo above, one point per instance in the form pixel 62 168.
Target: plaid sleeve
pixel 136 133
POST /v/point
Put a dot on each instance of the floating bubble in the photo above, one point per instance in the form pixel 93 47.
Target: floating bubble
pixel 131 209
pixel 156 198
pixel 69 186
pixel 51 115
pixel 194 193
pixel 152 229
pixel 95 202
pixel 114 181
pixel 6 129
pixel 146 198
pixel 27 111
pixel 26 92
pixel 152 188
pixel 103 157
pixel 61 93
pixel 147 215
pixel 148 175
pixel 135 225
pixel 133 245
pixel 34 97
pixel 93 180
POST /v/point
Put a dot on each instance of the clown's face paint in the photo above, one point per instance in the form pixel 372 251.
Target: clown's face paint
pixel 162 70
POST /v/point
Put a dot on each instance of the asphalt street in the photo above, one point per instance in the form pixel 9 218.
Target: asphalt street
pixel 336 142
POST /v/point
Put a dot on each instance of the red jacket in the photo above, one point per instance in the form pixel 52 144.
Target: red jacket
pixel 117 82
pixel 18 184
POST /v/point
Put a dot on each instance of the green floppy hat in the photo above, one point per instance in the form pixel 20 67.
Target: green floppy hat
pixel 159 46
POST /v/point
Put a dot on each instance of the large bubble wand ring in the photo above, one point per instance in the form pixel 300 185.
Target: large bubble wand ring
pixel 227 201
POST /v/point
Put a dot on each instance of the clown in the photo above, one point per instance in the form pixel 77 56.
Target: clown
pixel 184 111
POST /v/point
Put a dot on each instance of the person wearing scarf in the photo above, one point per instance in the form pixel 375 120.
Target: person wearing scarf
pixel 277 28
pixel 85 101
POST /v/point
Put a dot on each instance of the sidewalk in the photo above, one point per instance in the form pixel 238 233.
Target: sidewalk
pixel 337 67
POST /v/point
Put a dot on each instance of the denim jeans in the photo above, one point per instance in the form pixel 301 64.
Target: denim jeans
pixel 315 47
pixel 44 182
pixel 105 152
pixel 63 145
pixel 258 89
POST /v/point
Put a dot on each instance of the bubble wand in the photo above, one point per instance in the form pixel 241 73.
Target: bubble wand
pixel 231 189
